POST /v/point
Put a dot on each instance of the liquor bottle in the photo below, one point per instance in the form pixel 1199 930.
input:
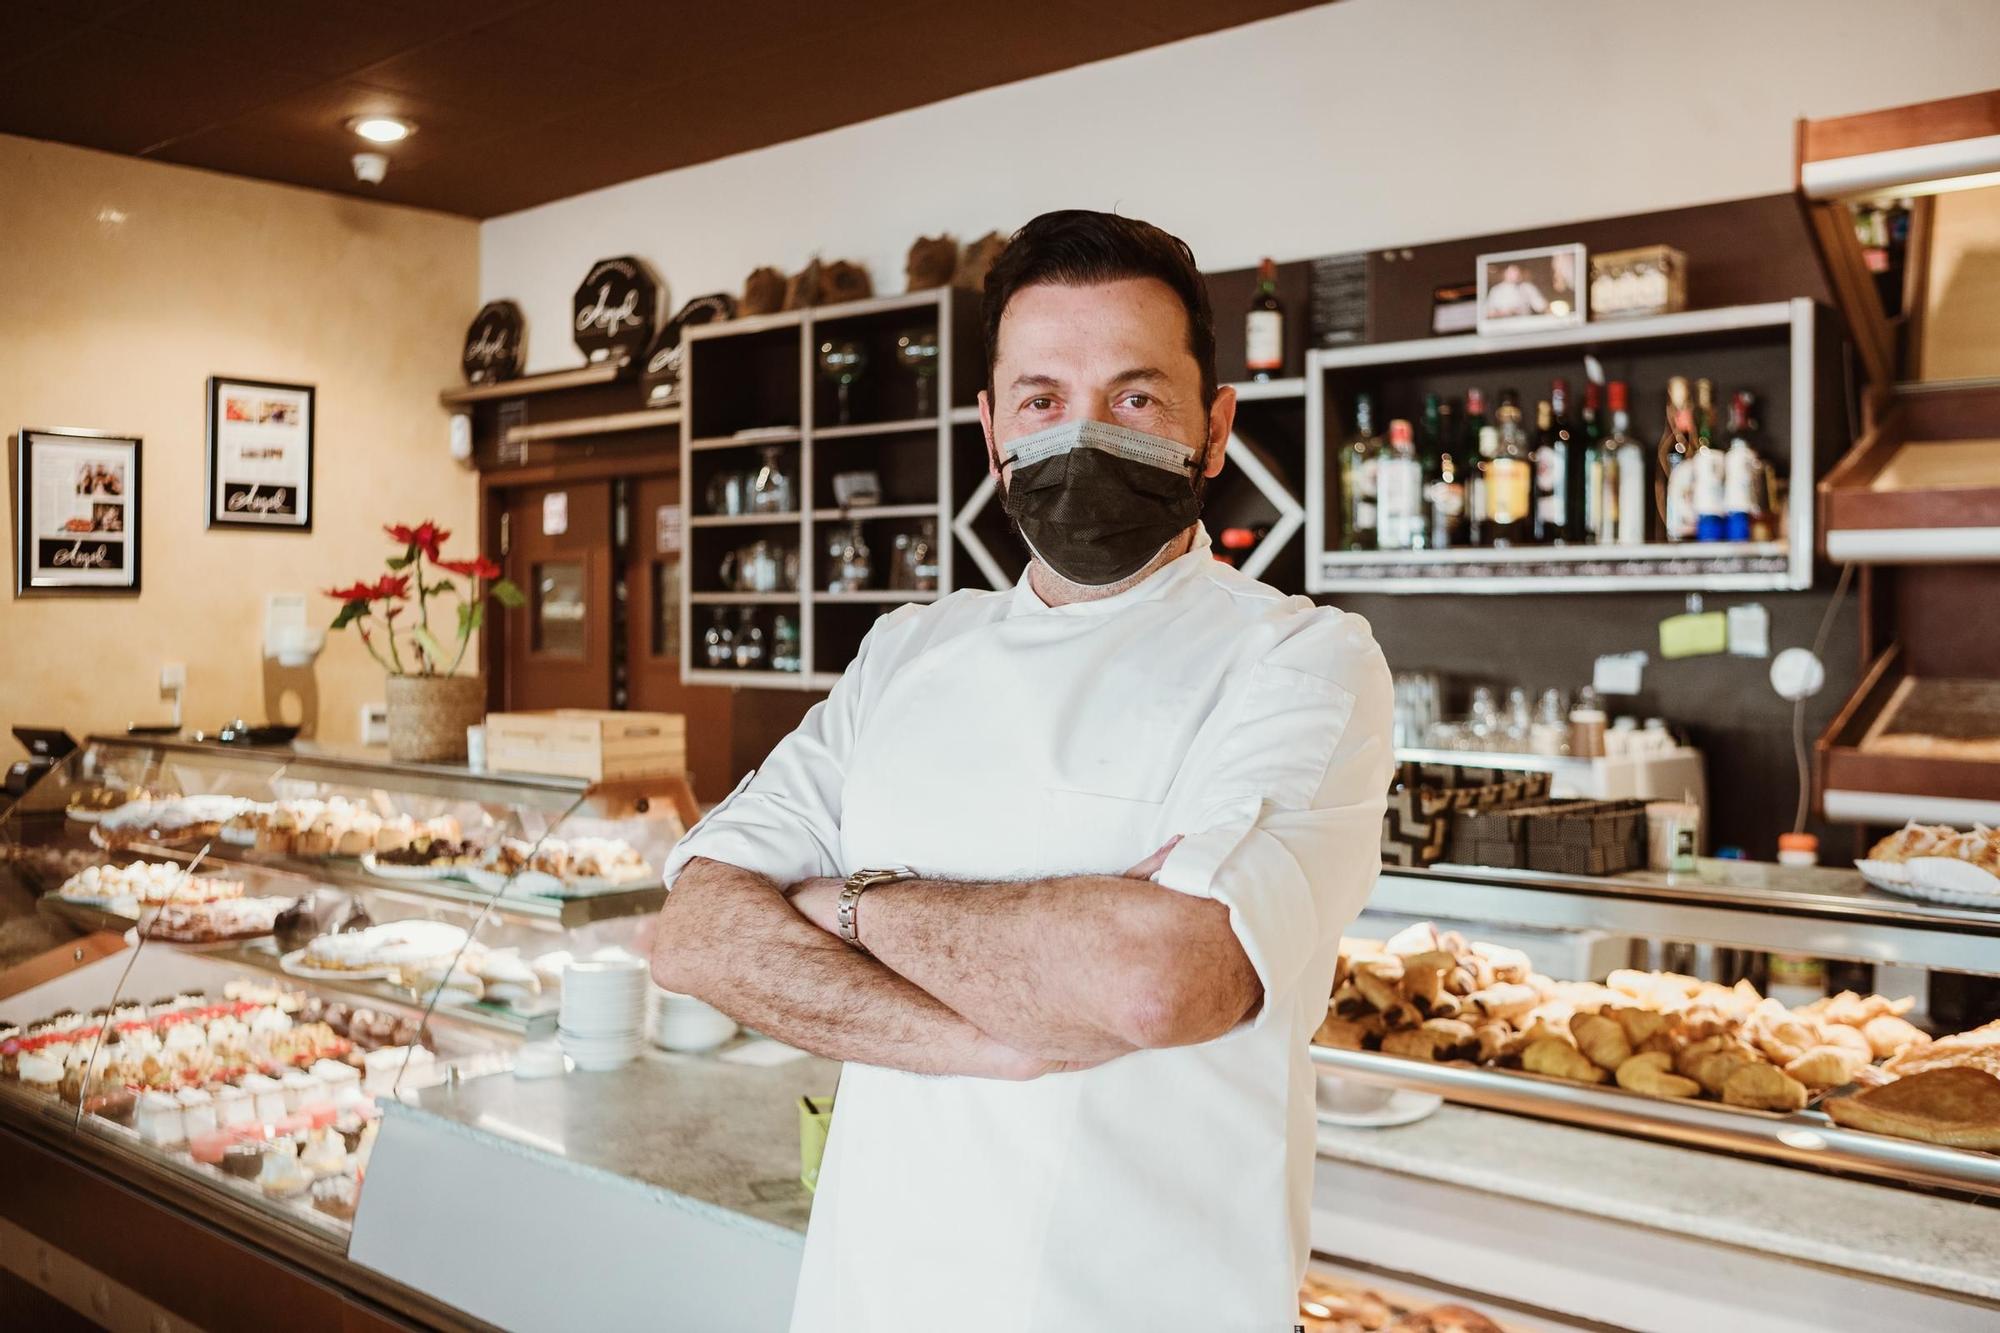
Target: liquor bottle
pixel 1629 458
pixel 1264 326
pixel 1510 481
pixel 1597 507
pixel 1676 484
pixel 1557 454
pixel 1399 481
pixel 1358 460
pixel 1711 523
pixel 1476 455
pixel 1444 485
pixel 1743 472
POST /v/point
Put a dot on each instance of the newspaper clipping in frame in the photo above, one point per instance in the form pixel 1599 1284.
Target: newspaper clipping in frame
pixel 260 454
pixel 80 494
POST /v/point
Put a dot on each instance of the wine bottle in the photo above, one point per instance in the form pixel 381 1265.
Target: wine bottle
pixel 1358 461
pixel 1399 481
pixel 1676 483
pixel 1264 326
pixel 1444 484
pixel 1711 521
pixel 1476 454
pixel 1510 482
pixel 1634 504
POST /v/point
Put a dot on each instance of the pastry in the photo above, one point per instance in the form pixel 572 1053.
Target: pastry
pixel 282 1176
pixel 1342 1034
pixel 1648 1073
pixel 337 1196
pixel 1601 1039
pixel 1956 1106
pixel 1976 1049
pixel 1763 1087
pixel 1560 1059
pixel 243 1159
pixel 1889 1034
pixel 1825 1066
pixel 158 1118
pixel 1436 1039
pixel 325 1154
pixel 197 1112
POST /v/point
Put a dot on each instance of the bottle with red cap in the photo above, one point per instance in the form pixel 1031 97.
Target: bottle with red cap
pixel 1626 460
pixel 1399 481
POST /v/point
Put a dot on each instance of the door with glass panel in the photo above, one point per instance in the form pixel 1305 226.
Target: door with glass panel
pixel 556 650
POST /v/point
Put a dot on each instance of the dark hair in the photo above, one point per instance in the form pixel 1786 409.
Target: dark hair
pixel 1075 247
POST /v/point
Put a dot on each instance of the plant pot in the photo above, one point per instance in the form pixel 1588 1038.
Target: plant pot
pixel 428 716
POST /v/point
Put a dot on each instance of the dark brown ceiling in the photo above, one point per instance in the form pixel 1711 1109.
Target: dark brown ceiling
pixel 521 101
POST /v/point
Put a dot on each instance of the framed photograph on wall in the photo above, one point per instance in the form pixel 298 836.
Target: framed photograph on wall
pixel 260 454
pixel 76 512
pixel 1521 290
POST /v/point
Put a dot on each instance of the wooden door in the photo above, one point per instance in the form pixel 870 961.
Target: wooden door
pixel 557 650
pixel 653 628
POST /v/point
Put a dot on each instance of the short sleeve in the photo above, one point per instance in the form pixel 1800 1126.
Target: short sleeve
pixel 1284 824
pixel 783 819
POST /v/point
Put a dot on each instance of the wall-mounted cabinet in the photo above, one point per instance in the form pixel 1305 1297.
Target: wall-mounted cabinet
pixel 1784 352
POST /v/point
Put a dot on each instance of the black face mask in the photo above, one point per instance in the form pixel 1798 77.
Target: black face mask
pixel 1097 501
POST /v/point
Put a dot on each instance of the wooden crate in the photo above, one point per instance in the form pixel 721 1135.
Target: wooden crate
pixel 582 743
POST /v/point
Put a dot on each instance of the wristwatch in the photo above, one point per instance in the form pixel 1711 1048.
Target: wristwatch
pixel 859 883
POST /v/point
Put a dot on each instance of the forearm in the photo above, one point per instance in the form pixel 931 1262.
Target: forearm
pixel 729 937
pixel 1082 967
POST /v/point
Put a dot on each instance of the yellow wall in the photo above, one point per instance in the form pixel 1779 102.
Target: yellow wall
pixel 1962 323
pixel 123 286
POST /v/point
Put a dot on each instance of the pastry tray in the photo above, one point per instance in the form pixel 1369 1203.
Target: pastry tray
pixel 1802 1138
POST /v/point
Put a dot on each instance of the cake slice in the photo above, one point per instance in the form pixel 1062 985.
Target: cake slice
pixel 1958 1107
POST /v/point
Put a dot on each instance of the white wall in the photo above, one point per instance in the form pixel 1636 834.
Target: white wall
pixel 1344 127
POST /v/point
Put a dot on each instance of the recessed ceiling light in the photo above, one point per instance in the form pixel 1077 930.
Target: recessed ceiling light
pixel 382 129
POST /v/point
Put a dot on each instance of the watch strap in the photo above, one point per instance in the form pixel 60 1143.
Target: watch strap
pixel 848 905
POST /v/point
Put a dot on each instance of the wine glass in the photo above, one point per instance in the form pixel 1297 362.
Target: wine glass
pixel 842 360
pixel 917 352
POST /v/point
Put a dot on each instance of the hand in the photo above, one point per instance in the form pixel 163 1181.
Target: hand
pixel 1150 867
pixel 818 901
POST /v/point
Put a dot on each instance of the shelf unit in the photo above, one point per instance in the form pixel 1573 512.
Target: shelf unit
pixel 1922 486
pixel 752 385
pixel 1778 348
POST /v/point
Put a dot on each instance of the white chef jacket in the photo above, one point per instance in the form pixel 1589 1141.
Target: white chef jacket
pixel 991 737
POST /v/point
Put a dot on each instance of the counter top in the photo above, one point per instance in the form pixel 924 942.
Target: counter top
pixel 697 1131
pixel 1876 1231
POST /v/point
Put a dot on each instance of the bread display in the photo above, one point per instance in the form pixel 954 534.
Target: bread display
pixel 572 860
pixel 168 821
pixel 1954 1105
pixel 1432 995
pixel 144 884
pixel 337 826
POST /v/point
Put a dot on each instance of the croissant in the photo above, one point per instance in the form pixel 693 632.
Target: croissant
pixel 1888 1034
pixel 1764 1087
pixel 1601 1039
pixel 1824 1067
pixel 1647 1073
pixel 1549 1056
pixel 1639 1024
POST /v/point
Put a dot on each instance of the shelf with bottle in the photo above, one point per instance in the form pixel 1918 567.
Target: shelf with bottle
pixel 1573 497
pixel 750 636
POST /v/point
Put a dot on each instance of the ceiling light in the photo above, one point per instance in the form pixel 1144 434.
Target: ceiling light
pixel 382 129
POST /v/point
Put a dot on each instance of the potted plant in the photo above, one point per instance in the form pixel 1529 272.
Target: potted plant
pixel 430 705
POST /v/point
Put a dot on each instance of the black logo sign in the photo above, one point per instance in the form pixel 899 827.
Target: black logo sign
pixel 243 497
pixel 79 555
pixel 616 309
pixel 660 379
pixel 496 344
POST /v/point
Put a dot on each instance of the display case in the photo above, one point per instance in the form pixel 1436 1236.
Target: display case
pixel 219 962
pixel 1555 941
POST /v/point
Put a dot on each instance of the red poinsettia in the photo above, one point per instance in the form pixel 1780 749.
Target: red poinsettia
pixel 362 603
pixel 427 537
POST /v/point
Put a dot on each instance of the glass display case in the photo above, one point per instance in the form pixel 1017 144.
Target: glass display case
pixel 216 962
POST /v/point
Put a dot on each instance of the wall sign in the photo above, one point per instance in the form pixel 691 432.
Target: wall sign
pixel 1337 300
pixel 496 345
pixel 660 378
pixel 76 513
pixel 260 454
pixel 616 309
pixel 555 513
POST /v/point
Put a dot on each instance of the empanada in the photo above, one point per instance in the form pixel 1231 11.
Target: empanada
pixel 1824 1067
pixel 1889 1033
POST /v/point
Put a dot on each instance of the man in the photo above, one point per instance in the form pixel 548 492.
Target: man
pixel 1515 294
pixel 1102 832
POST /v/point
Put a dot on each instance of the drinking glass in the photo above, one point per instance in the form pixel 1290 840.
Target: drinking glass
pixel 842 361
pixel 917 352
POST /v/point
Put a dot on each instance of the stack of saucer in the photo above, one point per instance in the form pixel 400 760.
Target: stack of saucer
pixel 682 1023
pixel 603 1018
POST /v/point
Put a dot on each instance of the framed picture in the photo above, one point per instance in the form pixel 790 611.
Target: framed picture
pixel 1532 289
pixel 260 454
pixel 76 512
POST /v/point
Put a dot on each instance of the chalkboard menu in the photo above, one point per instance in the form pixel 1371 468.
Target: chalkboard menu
pixel 660 380
pixel 1338 301
pixel 616 309
pixel 496 345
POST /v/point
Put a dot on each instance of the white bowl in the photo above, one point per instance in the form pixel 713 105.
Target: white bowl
pixel 1346 1096
pixel 692 1031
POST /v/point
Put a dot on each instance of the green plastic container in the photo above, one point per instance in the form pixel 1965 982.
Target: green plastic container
pixel 815 1118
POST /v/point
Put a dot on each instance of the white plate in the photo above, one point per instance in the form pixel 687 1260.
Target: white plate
pixel 1404 1108
pixel 294 964
pixel 1954 887
pixel 1884 874
pixel 384 870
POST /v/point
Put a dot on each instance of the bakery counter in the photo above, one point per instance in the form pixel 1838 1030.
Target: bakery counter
pixel 1597 1226
pixel 671 1184
pixel 1825 911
